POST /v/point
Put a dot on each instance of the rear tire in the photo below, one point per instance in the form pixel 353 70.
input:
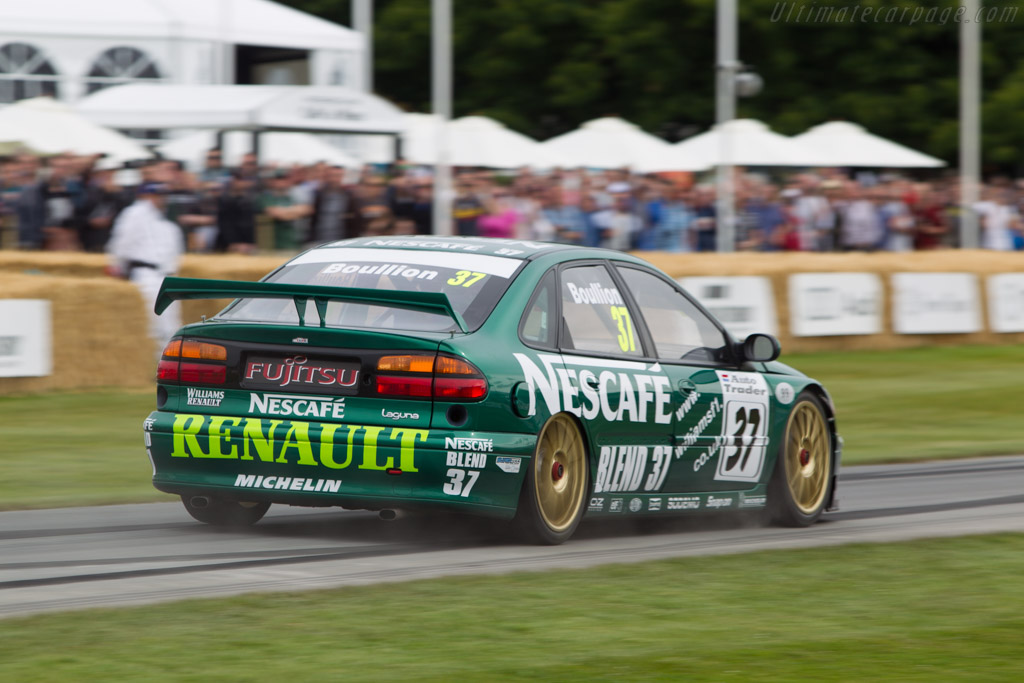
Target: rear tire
pixel 225 513
pixel 798 490
pixel 551 504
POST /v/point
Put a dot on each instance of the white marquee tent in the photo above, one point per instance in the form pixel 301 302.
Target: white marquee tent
pixel 742 142
pixel 243 107
pixel 51 127
pixel 474 141
pixel 275 148
pixel 846 144
pixel 610 143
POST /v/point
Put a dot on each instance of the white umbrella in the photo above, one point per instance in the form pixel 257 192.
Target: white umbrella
pixel 611 143
pixel 51 127
pixel 746 142
pixel 474 141
pixel 280 148
pixel 846 144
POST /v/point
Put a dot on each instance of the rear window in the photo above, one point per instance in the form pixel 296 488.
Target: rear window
pixel 473 282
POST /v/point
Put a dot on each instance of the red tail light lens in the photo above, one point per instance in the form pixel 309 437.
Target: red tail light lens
pixel 445 378
pixel 418 387
pixel 172 368
pixel 201 373
pixel 468 389
pixel 167 371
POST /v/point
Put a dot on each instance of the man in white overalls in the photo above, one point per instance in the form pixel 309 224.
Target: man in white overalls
pixel 145 247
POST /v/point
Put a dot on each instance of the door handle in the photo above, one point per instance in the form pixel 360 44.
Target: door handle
pixel 686 386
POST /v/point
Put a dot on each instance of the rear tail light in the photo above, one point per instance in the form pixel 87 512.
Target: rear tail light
pixel 177 364
pixel 444 378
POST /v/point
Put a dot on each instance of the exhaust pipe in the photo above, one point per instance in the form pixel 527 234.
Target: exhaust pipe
pixel 388 515
pixel 199 502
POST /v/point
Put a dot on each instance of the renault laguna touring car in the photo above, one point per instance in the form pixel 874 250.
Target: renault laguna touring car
pixel 528 381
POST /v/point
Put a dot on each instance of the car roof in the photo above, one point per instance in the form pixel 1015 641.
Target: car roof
pixel 509 248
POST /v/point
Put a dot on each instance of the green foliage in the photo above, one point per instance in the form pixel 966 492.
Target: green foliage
pixel 936 610
pixel 545 66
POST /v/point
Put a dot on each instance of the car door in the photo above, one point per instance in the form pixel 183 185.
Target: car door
pixel 624 398
pixel 720 426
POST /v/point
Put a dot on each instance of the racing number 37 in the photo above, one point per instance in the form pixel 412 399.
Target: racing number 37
pixel 745 426
pixel 627 342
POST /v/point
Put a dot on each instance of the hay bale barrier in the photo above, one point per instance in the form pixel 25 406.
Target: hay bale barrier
pixel 99 333
pixel 99 323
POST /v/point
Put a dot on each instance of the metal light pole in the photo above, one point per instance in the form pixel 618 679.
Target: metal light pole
pixel 441 82
pixel 362 21
pixel 727 65
pixel 970 123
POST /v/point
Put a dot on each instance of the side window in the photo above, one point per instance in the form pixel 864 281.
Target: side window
pixel 595 314
pixel 537 326
pixel 679 329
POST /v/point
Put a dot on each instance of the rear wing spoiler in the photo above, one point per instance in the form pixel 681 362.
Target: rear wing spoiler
pixel 179 288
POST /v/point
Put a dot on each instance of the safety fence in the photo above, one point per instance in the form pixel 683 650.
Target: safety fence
pixel 813 302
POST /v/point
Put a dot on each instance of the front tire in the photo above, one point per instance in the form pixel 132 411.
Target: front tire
pixel 798 490
pixel 225 513
pixel 551 504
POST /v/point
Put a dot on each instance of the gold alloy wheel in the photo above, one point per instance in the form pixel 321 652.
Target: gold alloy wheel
pixel 559 474
pixel 807 457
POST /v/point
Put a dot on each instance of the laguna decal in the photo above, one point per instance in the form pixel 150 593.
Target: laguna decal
pixel 288 405
pixel 635 505
pixel 334 446
pixel 644 393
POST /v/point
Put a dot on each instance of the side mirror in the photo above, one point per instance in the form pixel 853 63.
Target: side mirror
pixel 761 348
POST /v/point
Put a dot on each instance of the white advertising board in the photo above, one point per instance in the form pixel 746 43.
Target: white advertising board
pixel 935 303
pixel 25 338
pixel 829 304
pixel 743 303
pixel 1006 302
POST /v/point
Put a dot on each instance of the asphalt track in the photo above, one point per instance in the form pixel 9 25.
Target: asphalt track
pixel 76 558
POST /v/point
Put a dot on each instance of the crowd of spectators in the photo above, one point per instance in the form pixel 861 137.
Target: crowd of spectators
pixel 66 202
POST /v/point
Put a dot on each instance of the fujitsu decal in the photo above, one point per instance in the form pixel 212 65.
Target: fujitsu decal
pixel 298 371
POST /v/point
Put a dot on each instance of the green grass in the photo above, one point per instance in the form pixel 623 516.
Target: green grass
pixel 938 610
pixel 924 403
pixel 86 448
pixel 75 449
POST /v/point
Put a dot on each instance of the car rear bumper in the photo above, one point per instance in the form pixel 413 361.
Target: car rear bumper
pixel 348 465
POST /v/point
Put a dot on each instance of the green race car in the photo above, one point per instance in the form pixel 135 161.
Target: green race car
pixel 521 380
